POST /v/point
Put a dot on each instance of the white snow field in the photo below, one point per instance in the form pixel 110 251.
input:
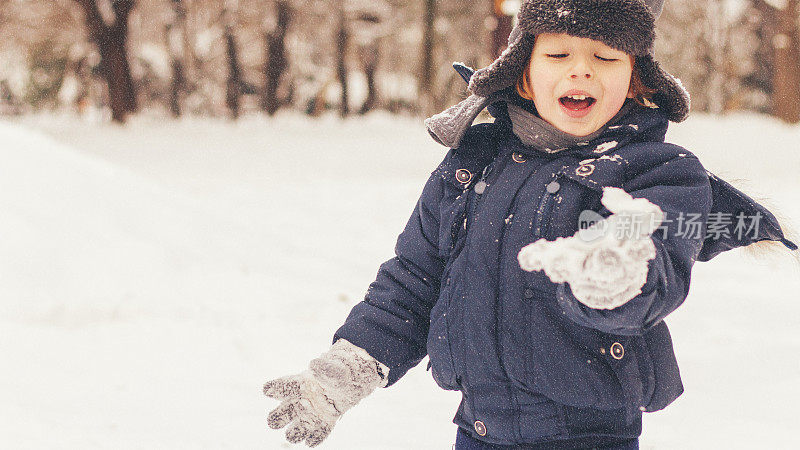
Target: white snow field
pixel 153 276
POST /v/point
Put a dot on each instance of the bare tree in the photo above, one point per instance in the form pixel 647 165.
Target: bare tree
pixel 233 90
pixel 176 38
pixel 275 61
pixel 502 20
pixel 370 55
pixel 786 75
pixel 342 38
pixel 109 31
pixel 426 79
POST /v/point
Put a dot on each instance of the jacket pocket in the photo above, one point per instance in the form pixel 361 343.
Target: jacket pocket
pixel 646 369
pixel 666 380
pixel 439 346
pixel 582 367
pixel 560 359
pixel 632 365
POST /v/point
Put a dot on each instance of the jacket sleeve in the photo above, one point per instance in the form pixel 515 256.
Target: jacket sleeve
pixel 680 187
pixel 392 321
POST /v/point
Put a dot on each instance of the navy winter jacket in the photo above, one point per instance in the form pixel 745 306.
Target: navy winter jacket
pixel 534 364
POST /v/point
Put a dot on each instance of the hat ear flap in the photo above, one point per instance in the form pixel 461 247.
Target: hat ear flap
pixel 503 72
pixel 671 95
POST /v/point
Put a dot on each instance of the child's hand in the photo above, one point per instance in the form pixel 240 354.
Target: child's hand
pixel 606 265
pixel 312 401
pixel 305 405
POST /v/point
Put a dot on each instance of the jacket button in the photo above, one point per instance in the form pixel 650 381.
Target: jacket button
pixel 553 187
pixel 617 350
pixel 463 176
pixel 480 428
pixel 528 293
pixel 518 157
pixel 584 170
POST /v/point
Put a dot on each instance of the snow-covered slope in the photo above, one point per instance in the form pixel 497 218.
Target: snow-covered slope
pixel 154 275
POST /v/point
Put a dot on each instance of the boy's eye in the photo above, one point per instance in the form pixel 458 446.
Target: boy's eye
pixel 605 59
pixel 558 55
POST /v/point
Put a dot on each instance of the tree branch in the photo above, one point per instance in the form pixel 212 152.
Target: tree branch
pixel 121 9
pixel 94 20
pixel 762 5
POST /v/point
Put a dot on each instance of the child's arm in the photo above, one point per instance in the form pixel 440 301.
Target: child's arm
pixel 679 187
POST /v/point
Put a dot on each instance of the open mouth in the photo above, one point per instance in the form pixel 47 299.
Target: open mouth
pixel 576 102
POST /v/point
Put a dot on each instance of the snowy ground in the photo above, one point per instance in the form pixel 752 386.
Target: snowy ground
pixel 154 276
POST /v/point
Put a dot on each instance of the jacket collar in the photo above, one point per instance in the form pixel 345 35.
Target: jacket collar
pixel 634 123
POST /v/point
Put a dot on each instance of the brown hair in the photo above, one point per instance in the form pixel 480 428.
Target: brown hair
pixel 641 93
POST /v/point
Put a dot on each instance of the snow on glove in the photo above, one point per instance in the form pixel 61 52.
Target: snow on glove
pixel 606 264
pixel 312 401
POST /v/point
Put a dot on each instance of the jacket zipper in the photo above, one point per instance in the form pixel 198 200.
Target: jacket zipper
pixel 545 208
pixel 474 199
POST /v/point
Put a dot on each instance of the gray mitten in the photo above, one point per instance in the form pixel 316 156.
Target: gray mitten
pixel 312 401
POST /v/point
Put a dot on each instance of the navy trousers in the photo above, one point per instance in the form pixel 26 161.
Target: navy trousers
pixel 466 442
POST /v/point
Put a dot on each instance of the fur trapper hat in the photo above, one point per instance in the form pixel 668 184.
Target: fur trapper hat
pixel 626 25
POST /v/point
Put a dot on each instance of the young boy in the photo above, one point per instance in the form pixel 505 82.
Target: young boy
pixel 555 338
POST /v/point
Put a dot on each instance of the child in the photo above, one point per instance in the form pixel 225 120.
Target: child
pixel 552 329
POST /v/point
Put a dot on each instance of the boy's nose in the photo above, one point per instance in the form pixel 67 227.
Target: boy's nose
pixel 581 69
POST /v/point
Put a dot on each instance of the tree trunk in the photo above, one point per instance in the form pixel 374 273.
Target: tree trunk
pixel 717 38
pixel 786 77
pixel 111 41
pixel 426 80
pixel 233 88
pixel 275 61
pixel 761 77
pixel 370 56
pixel 502 28
pixel 115 69
pixel 175 34
pixel 176 89
pixel 342 39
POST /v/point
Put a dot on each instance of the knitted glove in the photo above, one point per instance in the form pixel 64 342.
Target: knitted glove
pixel 312 401
pixel 606 264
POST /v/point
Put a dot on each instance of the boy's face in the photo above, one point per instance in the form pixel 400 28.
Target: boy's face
pixel 566 68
